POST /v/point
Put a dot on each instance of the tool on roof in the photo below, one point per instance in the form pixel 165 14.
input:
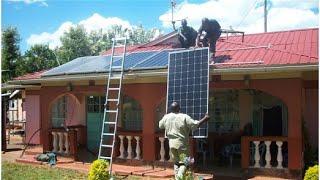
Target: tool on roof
pixel 112 103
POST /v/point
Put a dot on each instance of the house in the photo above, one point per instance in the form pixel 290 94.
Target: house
pixel 262 90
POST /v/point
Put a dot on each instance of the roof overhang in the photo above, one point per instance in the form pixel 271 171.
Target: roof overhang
pixel 160 72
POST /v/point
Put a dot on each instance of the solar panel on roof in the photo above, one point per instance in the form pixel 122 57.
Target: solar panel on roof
pixel 188 84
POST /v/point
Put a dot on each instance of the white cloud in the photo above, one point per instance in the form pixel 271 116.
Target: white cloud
pixel 283 14
pixel 41 2
pixel 94 22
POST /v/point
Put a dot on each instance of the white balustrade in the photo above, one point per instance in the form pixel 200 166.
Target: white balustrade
pixel 66 143
pixel 162 151
pixel 60 134
pixel 266 149
pixel 121 147
pixel 256 154
pixel 138 151
pixel 279 154
pixel 55 141
pixel 268 155
pixel 129 147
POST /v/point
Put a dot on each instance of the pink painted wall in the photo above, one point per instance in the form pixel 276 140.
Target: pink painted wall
pixel 311 115
pixel 32 108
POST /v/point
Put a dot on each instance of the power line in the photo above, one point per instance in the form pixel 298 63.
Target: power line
pixel 248 12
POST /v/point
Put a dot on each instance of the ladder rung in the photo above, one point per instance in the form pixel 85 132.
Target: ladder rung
pixel 114 89
pixel 104 157
pixel 118 46
pixel 108 134
pixel 115 77
pixel 108 122
pixel 119 39
pixel 107 146
pixel 117 56
pixel 116 67
pixel 114 100
pixel 111 111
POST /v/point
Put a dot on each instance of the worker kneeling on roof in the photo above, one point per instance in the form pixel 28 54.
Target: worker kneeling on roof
pixel 187 35
pixel 178 126
pixel 213 31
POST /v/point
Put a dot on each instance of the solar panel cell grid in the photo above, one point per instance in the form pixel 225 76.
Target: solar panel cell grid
pixel 188 84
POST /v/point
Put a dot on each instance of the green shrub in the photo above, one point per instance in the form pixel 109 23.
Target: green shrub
pixel 312 173
pixel 99 170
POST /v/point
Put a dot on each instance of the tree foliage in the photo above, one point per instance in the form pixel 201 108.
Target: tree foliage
pixel 38 57
pixel 10 53
pixel 75 42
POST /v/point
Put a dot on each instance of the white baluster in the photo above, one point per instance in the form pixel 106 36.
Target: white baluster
pixel 54 142
pixel 256 154
pixel 162 151
pixel 138 151
pixel 66 143
pixel 279 154
pixel 60 142
pixel 268 155
pixel 121 147
pixel 129 147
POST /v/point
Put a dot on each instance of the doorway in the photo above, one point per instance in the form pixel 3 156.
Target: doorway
pixel 272 121
pixel 94 121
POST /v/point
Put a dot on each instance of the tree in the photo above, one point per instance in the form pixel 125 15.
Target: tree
pixel 75 43
pixel 101 41
pixel 38 57
pixel 10 53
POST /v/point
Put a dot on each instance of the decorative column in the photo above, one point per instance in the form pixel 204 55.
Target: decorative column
pixel 162 151
pixel 60 134
pixel 54 142
pixel 256 154
pixel 66 143
pixel 268 155
pixel 138 151
pixel 279 154
pixel 129 147
pixel 121 147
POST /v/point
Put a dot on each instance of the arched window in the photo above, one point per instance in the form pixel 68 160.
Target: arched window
pixel 160 112
pixel 131 114
pixel 59 112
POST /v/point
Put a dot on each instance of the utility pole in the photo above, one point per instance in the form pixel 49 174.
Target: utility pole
pixel 265 16
pixel 173 5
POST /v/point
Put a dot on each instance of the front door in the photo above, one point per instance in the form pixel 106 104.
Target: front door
pixel 94 122
pixel 272 121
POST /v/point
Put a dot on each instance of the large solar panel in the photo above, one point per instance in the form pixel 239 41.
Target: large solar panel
pixel 188 84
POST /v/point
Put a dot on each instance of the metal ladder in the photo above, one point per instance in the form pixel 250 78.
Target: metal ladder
pixel 112 105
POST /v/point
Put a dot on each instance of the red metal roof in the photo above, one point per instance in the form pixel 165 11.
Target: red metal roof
pixel 268 49
pixel 262 49
pixel 34 75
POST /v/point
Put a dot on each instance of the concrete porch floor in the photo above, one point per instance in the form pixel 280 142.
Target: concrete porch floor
pixel 83 165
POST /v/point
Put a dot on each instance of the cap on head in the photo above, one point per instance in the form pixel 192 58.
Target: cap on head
pixel 175 107
pixel 184 22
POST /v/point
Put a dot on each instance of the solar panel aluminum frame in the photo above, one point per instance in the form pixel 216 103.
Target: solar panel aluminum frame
pixel 208 80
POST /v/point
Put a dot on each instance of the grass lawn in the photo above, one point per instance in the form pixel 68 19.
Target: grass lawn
pixel 16 171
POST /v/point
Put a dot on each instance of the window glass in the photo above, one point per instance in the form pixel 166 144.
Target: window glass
pixel 59 112
pixel 224 111
pixel 131 115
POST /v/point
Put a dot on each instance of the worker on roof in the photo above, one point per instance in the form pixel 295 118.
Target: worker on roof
pixel 187 35
pixel 178 127
pixel 213 31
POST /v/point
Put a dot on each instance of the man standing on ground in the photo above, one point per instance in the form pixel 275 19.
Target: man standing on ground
pixel 213 32
pixel 178 127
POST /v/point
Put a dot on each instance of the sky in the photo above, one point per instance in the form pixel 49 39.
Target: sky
pixel 44 21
